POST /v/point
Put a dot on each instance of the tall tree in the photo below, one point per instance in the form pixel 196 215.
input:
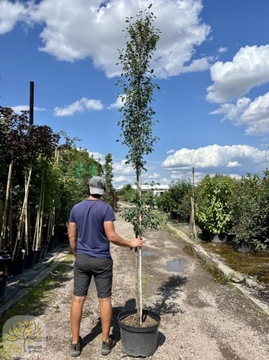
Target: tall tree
pixel 108 167
pixel 136 122
pixel 110 194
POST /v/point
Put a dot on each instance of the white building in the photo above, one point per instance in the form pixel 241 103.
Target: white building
pixel 157 189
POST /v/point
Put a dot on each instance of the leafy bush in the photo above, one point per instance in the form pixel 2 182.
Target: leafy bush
pixel 127 193
pixel 213 204
pixel 176 200
pixel 250 212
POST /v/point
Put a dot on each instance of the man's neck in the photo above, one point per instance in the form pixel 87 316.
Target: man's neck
pixel 92 197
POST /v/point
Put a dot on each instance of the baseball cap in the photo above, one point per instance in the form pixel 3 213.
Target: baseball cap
pixel 97 185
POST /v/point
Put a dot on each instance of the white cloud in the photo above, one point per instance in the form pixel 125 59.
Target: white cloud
pixel 118 104
pixel 18 108
pixel 249 68
pixel 78 107
pixel 215 158
pixel 97 156
pixel 123 168
pixel 254 115
pixel 233 112
pixel 171 151
pixel 72 30
pixel 233 164
pixel 120 180
pixel 11 13
pixel 153 176
pixel 222 49
pixel 197 65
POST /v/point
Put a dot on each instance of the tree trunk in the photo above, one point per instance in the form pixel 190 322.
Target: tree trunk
pixel 23 219
pixel 192 227
pixel 139 294
pixel 39 217
pixel 6 206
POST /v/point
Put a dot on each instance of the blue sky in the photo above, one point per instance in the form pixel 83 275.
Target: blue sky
pixel 211 62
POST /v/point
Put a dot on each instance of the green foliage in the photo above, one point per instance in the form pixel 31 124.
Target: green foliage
pixel 143 217
pixel 27 150
pixel 75 167
pixel 110 194
pixel 176 200
pixel 137 120
pixel 213 207
pixel 251 212
pixel 136 81
pixel 108 174
pixel 26 146
pixel 127 193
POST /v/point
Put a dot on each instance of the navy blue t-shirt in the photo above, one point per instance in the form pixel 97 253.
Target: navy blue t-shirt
pixel 89 216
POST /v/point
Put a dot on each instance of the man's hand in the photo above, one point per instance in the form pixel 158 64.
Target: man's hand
pixel 136 242
pixel 72 236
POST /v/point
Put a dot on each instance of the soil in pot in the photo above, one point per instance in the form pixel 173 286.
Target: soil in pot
pixel 139 340
pixel 133 320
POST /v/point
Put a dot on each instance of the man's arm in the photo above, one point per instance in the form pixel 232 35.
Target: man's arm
pixel 72 236
pixel 117 239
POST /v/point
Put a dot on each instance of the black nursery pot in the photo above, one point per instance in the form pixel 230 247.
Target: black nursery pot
pixel 139 341
pixel 3 285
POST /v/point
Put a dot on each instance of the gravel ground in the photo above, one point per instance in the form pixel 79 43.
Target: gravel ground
pixel 201 318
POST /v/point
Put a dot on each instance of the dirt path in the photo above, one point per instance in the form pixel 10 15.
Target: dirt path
pixel 200 318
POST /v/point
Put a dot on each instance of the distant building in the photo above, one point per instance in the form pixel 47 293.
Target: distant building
pixel 157 189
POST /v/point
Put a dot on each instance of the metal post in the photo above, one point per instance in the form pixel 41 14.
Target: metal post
pixel 31 104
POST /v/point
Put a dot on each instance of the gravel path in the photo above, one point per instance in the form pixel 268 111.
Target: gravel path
pixel 201 319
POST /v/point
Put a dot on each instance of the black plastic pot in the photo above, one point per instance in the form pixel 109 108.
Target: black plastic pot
pixel 44 252
pixel 5 259
pixel 52 243
pixel 18 264
pixel 30 259
pixel 3 285
pixel 139 341
pixel 38 257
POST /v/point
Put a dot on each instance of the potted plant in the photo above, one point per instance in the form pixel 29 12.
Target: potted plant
pixel 138 326
pixel 213 206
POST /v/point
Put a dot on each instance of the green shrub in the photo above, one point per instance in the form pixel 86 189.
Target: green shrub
pixel 176 201
pixel 250 212
pixel 213 203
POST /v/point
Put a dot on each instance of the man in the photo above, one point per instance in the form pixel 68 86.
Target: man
pixel 90 231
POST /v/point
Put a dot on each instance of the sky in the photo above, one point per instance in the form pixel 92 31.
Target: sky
pixel 211 65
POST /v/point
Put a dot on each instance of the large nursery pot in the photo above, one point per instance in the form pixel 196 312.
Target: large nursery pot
pixel 3 285
pixel 139 340
pixel 4 262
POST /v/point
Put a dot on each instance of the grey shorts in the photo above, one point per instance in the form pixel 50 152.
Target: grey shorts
pixel 85 268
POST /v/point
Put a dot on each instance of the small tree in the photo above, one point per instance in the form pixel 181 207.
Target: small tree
pixel 250 213
pixel 110 194
pixel 25 152
pixel 176 200
pixel 76 166
pixel 213 206
pixel 137 120
pixel 126 193
pixel 108 172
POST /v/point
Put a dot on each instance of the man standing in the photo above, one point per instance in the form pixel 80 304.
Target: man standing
pixel 90 231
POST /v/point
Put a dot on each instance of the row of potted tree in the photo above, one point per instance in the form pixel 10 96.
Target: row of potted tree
pixel 40 180
pixel 232 209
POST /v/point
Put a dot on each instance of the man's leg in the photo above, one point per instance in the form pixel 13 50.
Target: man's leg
pixel 76 316
pixel 106 317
